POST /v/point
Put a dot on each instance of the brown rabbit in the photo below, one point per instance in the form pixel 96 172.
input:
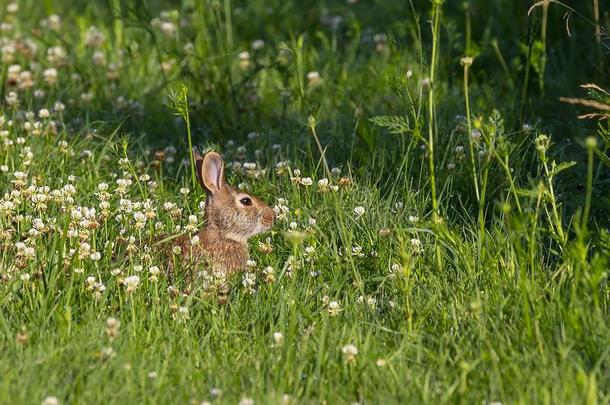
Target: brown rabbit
pixel 231 217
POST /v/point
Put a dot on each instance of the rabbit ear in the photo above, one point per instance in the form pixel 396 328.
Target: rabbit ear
pixel 210 171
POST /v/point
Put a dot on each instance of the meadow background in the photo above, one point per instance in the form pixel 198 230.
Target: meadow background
pixel 442 232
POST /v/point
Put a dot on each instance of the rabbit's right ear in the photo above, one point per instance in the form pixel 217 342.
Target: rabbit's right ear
pixel 210 171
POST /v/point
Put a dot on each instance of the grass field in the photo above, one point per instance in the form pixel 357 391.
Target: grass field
pixel 442 216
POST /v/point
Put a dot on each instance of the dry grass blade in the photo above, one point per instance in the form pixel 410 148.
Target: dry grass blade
pixel 586 103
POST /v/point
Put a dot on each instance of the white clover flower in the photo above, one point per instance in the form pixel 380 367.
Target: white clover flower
pixel 139 216
pixel 413 218
pixel 131 283
pixel 334 308
pixel 278 338
pixel 184 191
pixel 168 29
pixel 195 240
pixel 359 211
pixel 306 181
pixel 313 77
pixel 246 401
pixel 258 44
pixel 13 8
pixel 95 256
pixel 350 352
pixel 50 76
pixel 416 243
pixel 50 400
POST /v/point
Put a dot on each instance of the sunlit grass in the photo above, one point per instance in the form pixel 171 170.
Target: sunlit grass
pixel 428 246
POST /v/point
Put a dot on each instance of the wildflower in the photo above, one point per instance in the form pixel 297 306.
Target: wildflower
pixel 313 78
pixel 112 327
pixel 94 37
pixel 152 375
pixel 413 218
pixel 249 282
pixel 265 247
pixel 381 362
pixel 278 338
pixel 269 274
pixel 334 308
pixel 244 60
pixel 184 191
pixel 306 181
pixel 349 353
pixel 466 61
pixel 359 211
pixel 416 243
pixel 385 232
pixel 425 84
pixel 168 29
pixel 12 8
pixel 50 401
pixel 475 134
pixel 131 283
pixel 154 273
pixel 246 401
pixel 50 76
pixel 107 353
pixel 395 268
pixel 345 182
pixel 258 44
pixel 323 185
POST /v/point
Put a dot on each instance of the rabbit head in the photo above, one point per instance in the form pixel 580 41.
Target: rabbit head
pixel 235 215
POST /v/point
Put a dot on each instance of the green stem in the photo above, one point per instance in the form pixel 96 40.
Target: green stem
pixel 585 216
pixel 431 115
pixel 470 143
pixel 436 11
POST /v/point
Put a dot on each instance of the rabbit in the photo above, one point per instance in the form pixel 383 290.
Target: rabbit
pixel 231 217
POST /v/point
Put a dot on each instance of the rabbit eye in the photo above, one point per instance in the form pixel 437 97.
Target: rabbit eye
pixel 247 201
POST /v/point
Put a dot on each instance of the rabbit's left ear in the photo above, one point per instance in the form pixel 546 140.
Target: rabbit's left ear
pixel 210 171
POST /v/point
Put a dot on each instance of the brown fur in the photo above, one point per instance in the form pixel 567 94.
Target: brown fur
pixel 228 221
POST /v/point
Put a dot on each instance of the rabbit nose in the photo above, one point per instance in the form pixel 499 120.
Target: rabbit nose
pixel 268 217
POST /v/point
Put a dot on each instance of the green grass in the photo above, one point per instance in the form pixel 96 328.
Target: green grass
pixel 449 257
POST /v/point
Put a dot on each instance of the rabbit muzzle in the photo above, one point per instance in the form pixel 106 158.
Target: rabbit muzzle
pixel 266 219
